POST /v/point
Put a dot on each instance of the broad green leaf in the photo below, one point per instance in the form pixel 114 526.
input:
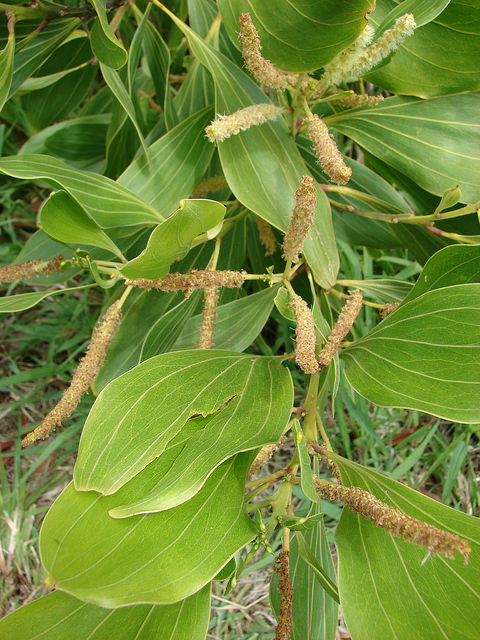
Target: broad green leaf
pixel 72 62
pixel 6 65
pixel 421 243
pixel 197 91
pixel 78 140
pixel 458 264
pixel 157 56
pixel 282 302
pixel 122 434
pixel 383 290
pixel 388 587
pixel 172 238
pixel 262 165
pixel 434 142
pixel 66 617
pixel 300 36
pixel 107 202
pixel 305 468
pixel 315 612
pixel 178 161
pixel 308 556
pixel 424 356
pixel 442 57
pixel 158 558
pixel 151 324
pixel 63 219
pixel 113 80
pixel 22 301
pixel 296 523
pixel 255 417
pixel 32 51
pixel 105 45
pixel 424 11
pixel 237 325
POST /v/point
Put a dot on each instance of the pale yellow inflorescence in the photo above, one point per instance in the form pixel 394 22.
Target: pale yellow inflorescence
pixel 196 279
pixel 302 219
pixel 395 521
pixel 261 69
pixel 265 454
pixel 306 340
pixel 13 272
pixel 338 69
pixel 344 323
pixel 84 375
pixel 225 126
pixel 267 237
pixel 210 300
pixel 284 626
pixel 386 44
pixel 358 100
pixel 327 152
pixel 210 185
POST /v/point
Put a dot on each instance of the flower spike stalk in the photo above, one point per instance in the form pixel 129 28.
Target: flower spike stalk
pixel 83 377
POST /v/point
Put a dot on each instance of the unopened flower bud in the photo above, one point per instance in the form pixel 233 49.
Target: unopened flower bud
pixel 306 340
pixel 83 377
pixel 261 69
pixel 330 158
pixel 395 521
pixel 302 219
pixel 343 325
pixel 225 126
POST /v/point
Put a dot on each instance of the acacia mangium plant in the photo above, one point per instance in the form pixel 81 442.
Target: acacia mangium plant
pixel 212 163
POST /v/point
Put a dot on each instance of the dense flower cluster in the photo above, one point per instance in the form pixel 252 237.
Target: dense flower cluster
pixel 327 152
pixel 230 125
pixel 195 279
pixel 343 325
pixel 302 219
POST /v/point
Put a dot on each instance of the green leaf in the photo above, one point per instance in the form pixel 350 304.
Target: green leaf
pixel 442 57
pixel 308 556
pixel 301 524
pixel 172 238
pixel 305 468
pixel 63 219
pixel 433 142
pixel 107 202
pixel 383 290
pixel 424 356
pixel 113 80
pixel 301 36
pixel 6 64
pixel 157 558
pixel 262 165
pixel 32 51
pixel 177 163
pixel 255 417
pixel 76 620
pixel 315 612
pixel 72 62
pixel 458 264
pixel 388 588
pixel 424 12
pixel 22 301
pixel 238 322
pixel 105 45
pixel 122 435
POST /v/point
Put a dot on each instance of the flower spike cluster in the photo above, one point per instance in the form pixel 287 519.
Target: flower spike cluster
pixel 83 377
pixel 210 300
pixel 224 127
pixel 327 152
pixel 284 627
pixel 343 325
pixel 302 219
pixel 267 237
pixel 13 272
pixel 196 279
pixel 306 340
pixel 395 521
pixel 264 72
